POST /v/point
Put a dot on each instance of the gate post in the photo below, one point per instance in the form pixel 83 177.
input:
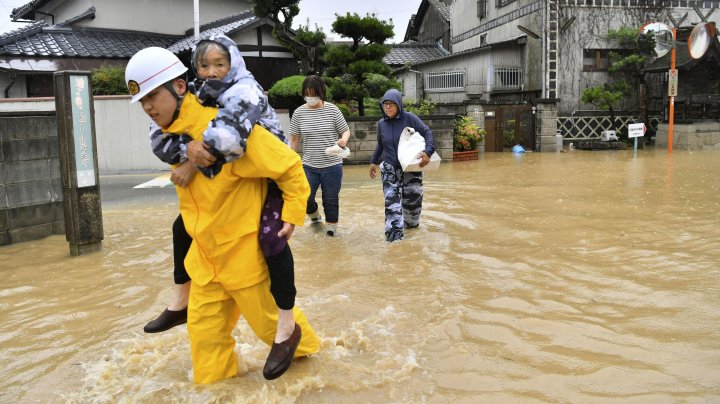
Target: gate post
pixel 78 161
pixel 546 115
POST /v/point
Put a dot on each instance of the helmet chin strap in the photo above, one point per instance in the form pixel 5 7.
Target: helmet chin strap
pixel 178 99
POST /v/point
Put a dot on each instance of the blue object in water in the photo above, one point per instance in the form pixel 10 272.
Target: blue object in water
pixel 518 149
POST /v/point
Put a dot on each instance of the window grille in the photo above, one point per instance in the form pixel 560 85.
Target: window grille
pixel 449 81
pixel 508 78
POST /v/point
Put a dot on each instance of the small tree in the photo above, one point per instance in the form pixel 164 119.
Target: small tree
pixel 639 50
pixel 635 51
pixel 306 45
pixel 605 96
pixel 272 9
pixel 357 71
pixel 315 47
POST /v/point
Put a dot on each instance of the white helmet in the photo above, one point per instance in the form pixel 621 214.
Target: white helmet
pixel 149 69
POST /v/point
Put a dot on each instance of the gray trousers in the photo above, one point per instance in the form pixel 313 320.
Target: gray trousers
pixel 403 200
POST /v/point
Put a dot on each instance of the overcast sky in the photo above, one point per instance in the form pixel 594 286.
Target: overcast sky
pixel 6 7
pixel 320 12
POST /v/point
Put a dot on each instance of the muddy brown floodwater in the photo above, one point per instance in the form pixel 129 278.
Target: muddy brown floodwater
pixel 568 277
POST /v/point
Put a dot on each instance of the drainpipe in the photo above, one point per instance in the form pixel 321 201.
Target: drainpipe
pixel 543 44
pixel 13 77
pixel 52 17
pixel 196 19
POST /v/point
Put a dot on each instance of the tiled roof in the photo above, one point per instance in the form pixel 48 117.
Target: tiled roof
pixel 413 53
pixel 442 8
pixel 40 40
pixel 25 9
pixel 226 26
pixel 417 19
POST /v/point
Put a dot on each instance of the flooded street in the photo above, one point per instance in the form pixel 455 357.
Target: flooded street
pixel 544 277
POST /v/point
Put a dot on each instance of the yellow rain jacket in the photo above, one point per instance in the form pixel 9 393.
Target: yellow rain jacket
pixel 222 214
pixel 227 267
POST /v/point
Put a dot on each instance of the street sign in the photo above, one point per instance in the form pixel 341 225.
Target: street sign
pixel 672 83
pixel 636 130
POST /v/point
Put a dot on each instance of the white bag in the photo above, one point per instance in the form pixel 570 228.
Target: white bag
pixel 410 145
pixel 336 150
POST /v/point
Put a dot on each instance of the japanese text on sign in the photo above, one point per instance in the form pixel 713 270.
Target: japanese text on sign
pixel 672 83
pixel 82 131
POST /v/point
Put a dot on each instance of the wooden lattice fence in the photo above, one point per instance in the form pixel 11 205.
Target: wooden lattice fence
pixel 590 127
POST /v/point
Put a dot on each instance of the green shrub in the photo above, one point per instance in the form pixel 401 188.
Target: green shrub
pixel 344 109
pixel 287 87
pixel 109 80
pixel 426 107
pixel 287 93
pixel 372 106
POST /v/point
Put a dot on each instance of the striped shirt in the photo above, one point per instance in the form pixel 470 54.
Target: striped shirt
pixel 320 128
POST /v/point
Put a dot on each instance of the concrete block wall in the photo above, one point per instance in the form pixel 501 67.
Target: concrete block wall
pixel 696 136
pixel 30 187
pixel 363 137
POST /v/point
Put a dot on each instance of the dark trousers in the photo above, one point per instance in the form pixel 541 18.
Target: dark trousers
pixel 181 245
pixel 329 179
pixel 281 265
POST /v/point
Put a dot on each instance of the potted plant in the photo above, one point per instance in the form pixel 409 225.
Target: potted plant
pixel 466 136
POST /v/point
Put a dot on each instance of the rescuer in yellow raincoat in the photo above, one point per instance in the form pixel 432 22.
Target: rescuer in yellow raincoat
pixel 222 215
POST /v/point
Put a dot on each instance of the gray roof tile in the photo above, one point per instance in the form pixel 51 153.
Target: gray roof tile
pixel 40 40
pixel 442 8
pixel 413 52
pixel 226 26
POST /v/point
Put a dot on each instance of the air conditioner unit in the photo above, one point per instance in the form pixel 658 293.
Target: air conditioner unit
pixel 608 135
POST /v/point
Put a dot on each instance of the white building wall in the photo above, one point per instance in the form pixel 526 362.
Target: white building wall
pixel 17 87
pixel 161 16
pixel 518 49
pixel 411 82
pixel 468 31
pixel 121 131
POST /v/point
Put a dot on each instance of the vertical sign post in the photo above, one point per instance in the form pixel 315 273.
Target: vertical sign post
pixel 78 161
pixel 672 92
pixel 635 130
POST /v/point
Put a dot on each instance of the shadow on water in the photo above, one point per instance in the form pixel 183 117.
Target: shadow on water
pixel 580 277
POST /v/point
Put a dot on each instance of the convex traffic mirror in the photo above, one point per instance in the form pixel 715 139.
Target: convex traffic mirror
pixel 663 35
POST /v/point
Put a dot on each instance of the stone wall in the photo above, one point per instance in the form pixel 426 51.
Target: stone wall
pixel 30 188
pixel 363 137
pixel 695 136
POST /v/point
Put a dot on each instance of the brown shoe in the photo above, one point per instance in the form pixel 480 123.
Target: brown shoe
pixel 278 361
pixel 167 320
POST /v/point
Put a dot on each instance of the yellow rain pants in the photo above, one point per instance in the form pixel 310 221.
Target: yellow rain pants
pixel 213 312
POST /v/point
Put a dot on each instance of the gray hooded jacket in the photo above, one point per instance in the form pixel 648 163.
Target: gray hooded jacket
pixel 242 104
